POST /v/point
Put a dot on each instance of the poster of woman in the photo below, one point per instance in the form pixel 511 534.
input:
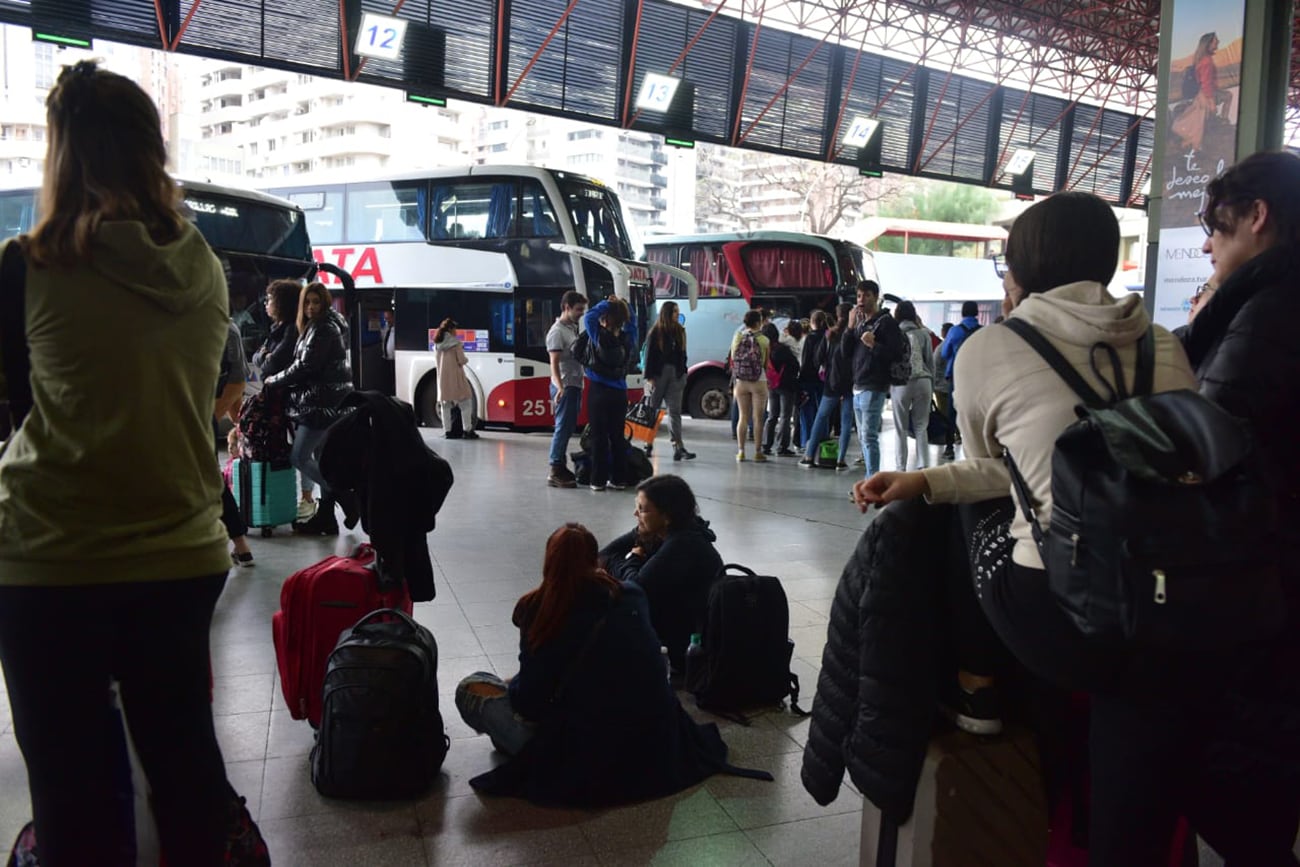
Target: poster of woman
pixel 1200 117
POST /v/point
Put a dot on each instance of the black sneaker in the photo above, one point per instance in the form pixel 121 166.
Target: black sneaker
pixel 681 454
pixel 949 454
pixel 977 712
pixel 786 453
pixel 807 463
pixel 841 466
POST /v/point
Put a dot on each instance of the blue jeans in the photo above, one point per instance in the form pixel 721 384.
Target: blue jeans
pixel 303 455
pixel 812 398
pixel 869 408
pixel 483 700
pixel 822 423
pixel 566 419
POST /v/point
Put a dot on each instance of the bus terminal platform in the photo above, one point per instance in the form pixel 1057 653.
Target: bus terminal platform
pixel 777 518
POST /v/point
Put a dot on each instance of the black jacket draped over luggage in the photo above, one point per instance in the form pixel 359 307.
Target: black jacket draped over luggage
pixel 877 691
pixel 376 455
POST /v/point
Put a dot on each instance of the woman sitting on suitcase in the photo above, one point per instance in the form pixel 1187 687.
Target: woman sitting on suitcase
pixel 671 557
pixel 317 381
pixel 590 719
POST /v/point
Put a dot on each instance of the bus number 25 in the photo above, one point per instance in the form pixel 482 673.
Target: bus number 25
pixel 534 408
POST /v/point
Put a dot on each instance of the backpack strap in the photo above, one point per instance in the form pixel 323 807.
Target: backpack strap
pixel 1053 357
pixel 1022 496
pixel 1145 378
pixel 13 332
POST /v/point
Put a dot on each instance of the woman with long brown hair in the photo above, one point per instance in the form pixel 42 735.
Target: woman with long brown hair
pixel 665 373
pixel 837 395
pixel 317 381
pixel 454 389
pixel 590 719
pixel 109 494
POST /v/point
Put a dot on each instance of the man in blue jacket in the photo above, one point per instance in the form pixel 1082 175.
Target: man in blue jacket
pixel 969 324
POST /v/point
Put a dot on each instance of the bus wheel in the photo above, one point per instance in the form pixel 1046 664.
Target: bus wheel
pixel 710 396
pixel 426 402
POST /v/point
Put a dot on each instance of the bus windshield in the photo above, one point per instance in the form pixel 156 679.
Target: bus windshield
pixel 597 218
pixel 236 225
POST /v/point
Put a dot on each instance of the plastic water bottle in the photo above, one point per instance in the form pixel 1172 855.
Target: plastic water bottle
pixel 694 651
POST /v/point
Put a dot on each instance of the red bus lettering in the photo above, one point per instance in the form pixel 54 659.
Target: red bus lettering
pixel 367 266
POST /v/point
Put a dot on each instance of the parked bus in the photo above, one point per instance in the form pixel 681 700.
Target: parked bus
pixel 493 247
pixel 789 272
pixel 258 238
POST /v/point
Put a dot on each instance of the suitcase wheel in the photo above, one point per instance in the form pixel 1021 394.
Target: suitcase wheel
pixel 266 532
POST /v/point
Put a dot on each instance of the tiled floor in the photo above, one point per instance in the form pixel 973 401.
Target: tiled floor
pixel 778 518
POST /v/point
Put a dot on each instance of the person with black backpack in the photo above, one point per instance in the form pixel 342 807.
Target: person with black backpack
pixel 1019 395
pixel 607 350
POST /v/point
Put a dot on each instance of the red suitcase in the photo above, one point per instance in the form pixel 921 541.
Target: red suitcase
pixel 316 605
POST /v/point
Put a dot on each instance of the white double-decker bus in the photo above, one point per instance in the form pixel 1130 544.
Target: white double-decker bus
pixel 494 248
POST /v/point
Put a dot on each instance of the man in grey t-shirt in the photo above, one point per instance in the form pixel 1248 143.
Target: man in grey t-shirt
pixel 566 384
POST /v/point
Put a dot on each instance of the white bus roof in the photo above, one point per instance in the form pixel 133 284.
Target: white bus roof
pixel 198 187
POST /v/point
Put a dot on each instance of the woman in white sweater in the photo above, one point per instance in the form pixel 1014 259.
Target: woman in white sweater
pixel 1060 255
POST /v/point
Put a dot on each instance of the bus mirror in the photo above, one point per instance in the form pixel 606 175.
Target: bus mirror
pixel 621 273
pixel 692 284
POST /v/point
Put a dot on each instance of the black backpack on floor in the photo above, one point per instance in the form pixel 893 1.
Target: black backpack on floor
pixel 743 661
pixel 381 734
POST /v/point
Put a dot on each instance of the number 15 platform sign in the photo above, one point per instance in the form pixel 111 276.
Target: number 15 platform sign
pixel 380 36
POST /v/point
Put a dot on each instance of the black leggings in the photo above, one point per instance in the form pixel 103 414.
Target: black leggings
pixel 60 647
pixel 1150 740
pixel 607 412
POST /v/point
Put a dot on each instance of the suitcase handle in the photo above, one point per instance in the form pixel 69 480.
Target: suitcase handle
pixel 742 569
pixel 388 613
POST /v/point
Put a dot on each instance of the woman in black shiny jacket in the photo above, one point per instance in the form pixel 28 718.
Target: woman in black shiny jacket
pixel 317 381
pixel 1242 346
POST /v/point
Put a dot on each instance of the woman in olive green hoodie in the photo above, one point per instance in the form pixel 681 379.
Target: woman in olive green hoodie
pixel 112 554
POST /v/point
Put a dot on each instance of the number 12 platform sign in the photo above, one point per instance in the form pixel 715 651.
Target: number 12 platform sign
pixel 380 36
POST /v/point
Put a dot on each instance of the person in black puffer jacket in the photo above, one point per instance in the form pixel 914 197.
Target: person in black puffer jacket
pixel 317 381
pixel 1242 346
pixel 264 432
pixel 838 393
pixel 810 380
pixel 670 555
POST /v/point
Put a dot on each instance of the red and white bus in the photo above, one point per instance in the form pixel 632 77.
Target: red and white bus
pixel 493 247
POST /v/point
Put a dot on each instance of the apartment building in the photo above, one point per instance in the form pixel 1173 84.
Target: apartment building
pixel 266 124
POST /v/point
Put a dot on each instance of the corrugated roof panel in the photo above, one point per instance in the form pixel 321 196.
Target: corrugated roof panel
pixel 794 121
pixel 877 79
pixel 233 26
pixel 1099 142
pixel 578 71
pixel 303 33
pixel 664 34
pixel 1037 127
pixel 961 117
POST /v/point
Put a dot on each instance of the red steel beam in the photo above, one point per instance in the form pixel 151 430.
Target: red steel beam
pixel 1096 121
pixel 500 42
pixel 343 35
pixel 185 25
pixel 749 68
pixel 568 10
pixel 162 24
pixel 952 135
pixel 631 63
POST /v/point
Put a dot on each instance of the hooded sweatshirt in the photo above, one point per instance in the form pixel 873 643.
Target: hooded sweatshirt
pixel 453 385
pixel 1009 398
pixel 111 478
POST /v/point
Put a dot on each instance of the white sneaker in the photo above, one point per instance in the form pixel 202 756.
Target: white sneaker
pixel 306 510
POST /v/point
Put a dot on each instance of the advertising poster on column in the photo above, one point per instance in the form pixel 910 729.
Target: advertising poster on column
pixel 1201 141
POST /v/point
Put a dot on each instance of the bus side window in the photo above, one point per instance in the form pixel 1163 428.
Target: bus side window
pixel 665 284
pixel 386 212
pixel 536 216
pixel 472 210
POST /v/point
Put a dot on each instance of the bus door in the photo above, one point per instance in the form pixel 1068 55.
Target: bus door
pixel 375 373
pixel 535 312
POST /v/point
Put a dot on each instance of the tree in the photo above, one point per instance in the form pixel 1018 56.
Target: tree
pixel 940 201
pixel 748 190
